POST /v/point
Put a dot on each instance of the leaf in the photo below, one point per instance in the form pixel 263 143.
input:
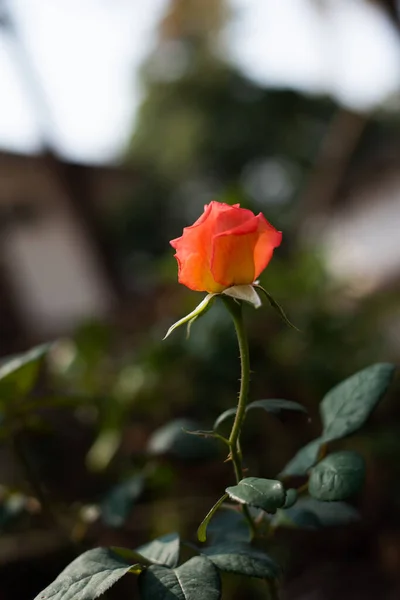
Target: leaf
pixel 337 476
pixel 88 576
pixel 276 406
pixel 20 372
pixel 267 494
pixel 227 414
pixel 202 530
pixel 162 551
pixel 276 307
pixel 229 525
pixel 104 449
pixel 305 458
pixel 329 514
pixel 197 312
pixel 196 579
pixel 242 559
pixel 295 518
pixel 174 440
pixel 244 292
pixel 347 406
pixel 117 504
pixel 291 498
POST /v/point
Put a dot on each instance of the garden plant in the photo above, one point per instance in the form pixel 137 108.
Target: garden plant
pixel 223 253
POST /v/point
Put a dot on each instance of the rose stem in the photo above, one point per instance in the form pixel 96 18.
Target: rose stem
pixel 235 310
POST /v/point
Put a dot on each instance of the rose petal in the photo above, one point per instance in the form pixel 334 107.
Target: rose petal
pixel 241 254
pixel 227 245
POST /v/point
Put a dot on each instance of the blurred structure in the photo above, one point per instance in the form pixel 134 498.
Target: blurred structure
pixel 56 269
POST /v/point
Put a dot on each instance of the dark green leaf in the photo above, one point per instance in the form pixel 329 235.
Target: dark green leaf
pixel 20 372
pixel 305 458
pixel 118 503
pixel 295 518
pixel 174 440
pixel 229 525
pixel 88 576
pixel 196 579
pixel 227 414
pixel 291 498
pixel 267 494
pixel 242 559
pixel 276 406
pixel 337 476
pixel 329 514
pixel 162 551
pixel 347 406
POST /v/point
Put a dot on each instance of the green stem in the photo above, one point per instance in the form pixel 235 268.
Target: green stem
pixel 235 310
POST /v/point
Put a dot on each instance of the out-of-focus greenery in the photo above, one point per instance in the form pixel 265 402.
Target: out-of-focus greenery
pixel 206 132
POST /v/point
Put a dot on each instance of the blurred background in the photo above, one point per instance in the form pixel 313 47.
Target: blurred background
pixel 119 120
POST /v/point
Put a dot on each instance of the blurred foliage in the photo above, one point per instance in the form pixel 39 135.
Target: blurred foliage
pixel 99 433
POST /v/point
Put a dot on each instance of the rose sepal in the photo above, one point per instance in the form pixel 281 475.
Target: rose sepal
pixel 200 309
pixel 276 306
pixel 247 293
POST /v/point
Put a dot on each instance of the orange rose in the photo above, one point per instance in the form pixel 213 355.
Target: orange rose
pixel 226 246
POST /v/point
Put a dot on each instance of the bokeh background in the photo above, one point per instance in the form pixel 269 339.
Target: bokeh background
pixel 119 120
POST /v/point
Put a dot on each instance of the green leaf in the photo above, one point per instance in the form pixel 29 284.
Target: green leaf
pixel 291 498
pixel 247 293
pixel 276 406
pixel 20 372
pixel 267 494
pixel 196 579
pixel 174 440
pixel 337 476
pixel 162 551
pixel 329 514
pixel 117 504
pixel 295 518
pixel 229 525
pixel 88 576
pixel 202 530
pixel 276 307
pixel 242 559
pixel 347 406
pixel 305 458
pixel 104 449
pixel 227 414
pixel 191 317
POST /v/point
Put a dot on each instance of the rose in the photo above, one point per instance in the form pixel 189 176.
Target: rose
pixel 226 246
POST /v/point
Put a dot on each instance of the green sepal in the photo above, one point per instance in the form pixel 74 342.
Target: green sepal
pixel 195 314
pixel 245 293
pixel 277 307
